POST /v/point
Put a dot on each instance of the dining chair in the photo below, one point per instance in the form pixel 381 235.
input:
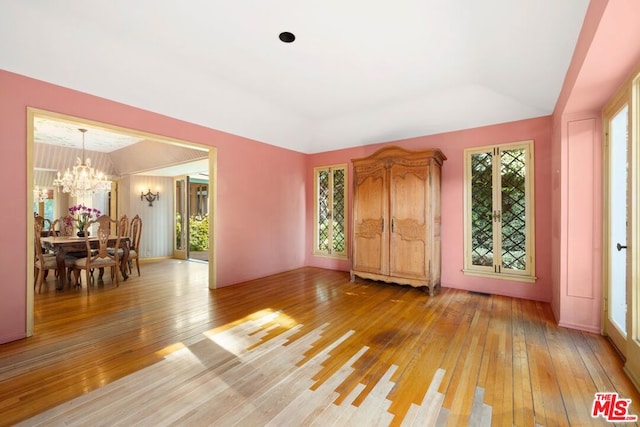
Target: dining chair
pixel 46 227
pixel 122 228
pixel 134 248
pixel 123 223
pixel 43 262
pixel 56 229
pixel 66 225
pixel 100 258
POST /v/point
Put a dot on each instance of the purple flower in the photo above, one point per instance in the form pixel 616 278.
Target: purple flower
pixel 84 214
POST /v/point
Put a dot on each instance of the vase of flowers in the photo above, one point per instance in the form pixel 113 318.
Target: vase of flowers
pixel 83 215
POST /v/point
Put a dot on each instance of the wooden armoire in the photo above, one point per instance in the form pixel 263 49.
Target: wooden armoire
pixel 396 217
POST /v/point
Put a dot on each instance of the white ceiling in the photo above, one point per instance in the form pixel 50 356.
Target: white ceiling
pixel 67 134
pixel 359 72
pixel 114 151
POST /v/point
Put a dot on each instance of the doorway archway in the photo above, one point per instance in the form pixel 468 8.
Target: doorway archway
pixel 209 155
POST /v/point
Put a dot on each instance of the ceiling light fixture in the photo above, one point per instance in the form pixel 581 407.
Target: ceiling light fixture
pixel 40 194
pixel 287 37
pixel 83 181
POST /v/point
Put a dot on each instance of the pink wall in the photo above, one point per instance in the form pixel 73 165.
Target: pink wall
pixel 265 205
pixel 581 222
pixel 607 52
pixel 452 145
pixel 261 214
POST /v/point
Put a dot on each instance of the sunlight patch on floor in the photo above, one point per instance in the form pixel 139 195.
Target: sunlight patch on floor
pixel 238 336
pixel 170 349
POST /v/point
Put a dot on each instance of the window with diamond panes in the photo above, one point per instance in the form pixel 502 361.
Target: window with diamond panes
pixel 331 233
pixel 499 211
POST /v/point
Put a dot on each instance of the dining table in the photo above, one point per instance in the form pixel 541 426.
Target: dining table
pixel 62 246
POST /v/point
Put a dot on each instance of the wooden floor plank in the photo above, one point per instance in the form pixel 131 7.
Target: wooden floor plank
pixel 496 373
pixel 612 366
pixel 523 411
pixel 574 380
pixel 547 397
pixel 417 369
pixel 307 347
pixel 466 371
pixel 426 413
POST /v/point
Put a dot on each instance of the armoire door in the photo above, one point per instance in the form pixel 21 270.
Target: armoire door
pixel 408 211
pixel 371 236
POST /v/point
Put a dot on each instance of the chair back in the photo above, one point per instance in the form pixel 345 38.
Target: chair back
pixel 65 225
pixel 103 233
pixel 55 228
pixel 136 233
pixel 46 228
pixel 37 235
pixel 123 226
pixel 39 220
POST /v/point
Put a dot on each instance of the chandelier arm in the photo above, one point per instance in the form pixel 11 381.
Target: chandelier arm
pixel 83 156
pixel 84 180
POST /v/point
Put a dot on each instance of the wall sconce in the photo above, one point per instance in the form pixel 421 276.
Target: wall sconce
pixel 151 197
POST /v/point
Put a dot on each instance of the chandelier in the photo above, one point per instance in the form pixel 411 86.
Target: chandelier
pixel 83 181
pixel 40 194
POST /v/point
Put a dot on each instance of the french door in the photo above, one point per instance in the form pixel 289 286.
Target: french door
pixel 621 243
pixel 181 218
pixel 617 225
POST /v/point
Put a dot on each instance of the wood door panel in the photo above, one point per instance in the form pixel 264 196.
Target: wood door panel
pixel 370 210
pixel 434 203
pixel 408 250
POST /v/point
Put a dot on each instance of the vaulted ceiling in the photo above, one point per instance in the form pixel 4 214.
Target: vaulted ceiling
pixel 59 142
pixel 359 71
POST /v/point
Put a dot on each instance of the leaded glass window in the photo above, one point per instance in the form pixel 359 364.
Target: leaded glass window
pixel 513 209
pixel 331 231
pixel 482 209
pixel 499 210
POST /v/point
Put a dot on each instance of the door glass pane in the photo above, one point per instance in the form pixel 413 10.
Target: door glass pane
pixel 201 199
pixel 49 206
pixel 618 220
pixel 45 208
pixel 339 238
pixel 513 209
pixel 323 210
pixel 198 218
pixel 181 216
pixel 481 209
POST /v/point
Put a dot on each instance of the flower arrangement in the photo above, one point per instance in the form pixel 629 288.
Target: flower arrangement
pixel 83 215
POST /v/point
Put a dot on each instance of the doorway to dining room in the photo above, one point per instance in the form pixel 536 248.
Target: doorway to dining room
pixel 147 159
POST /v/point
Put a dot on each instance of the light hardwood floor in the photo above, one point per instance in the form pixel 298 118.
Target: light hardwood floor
pixel 299 348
